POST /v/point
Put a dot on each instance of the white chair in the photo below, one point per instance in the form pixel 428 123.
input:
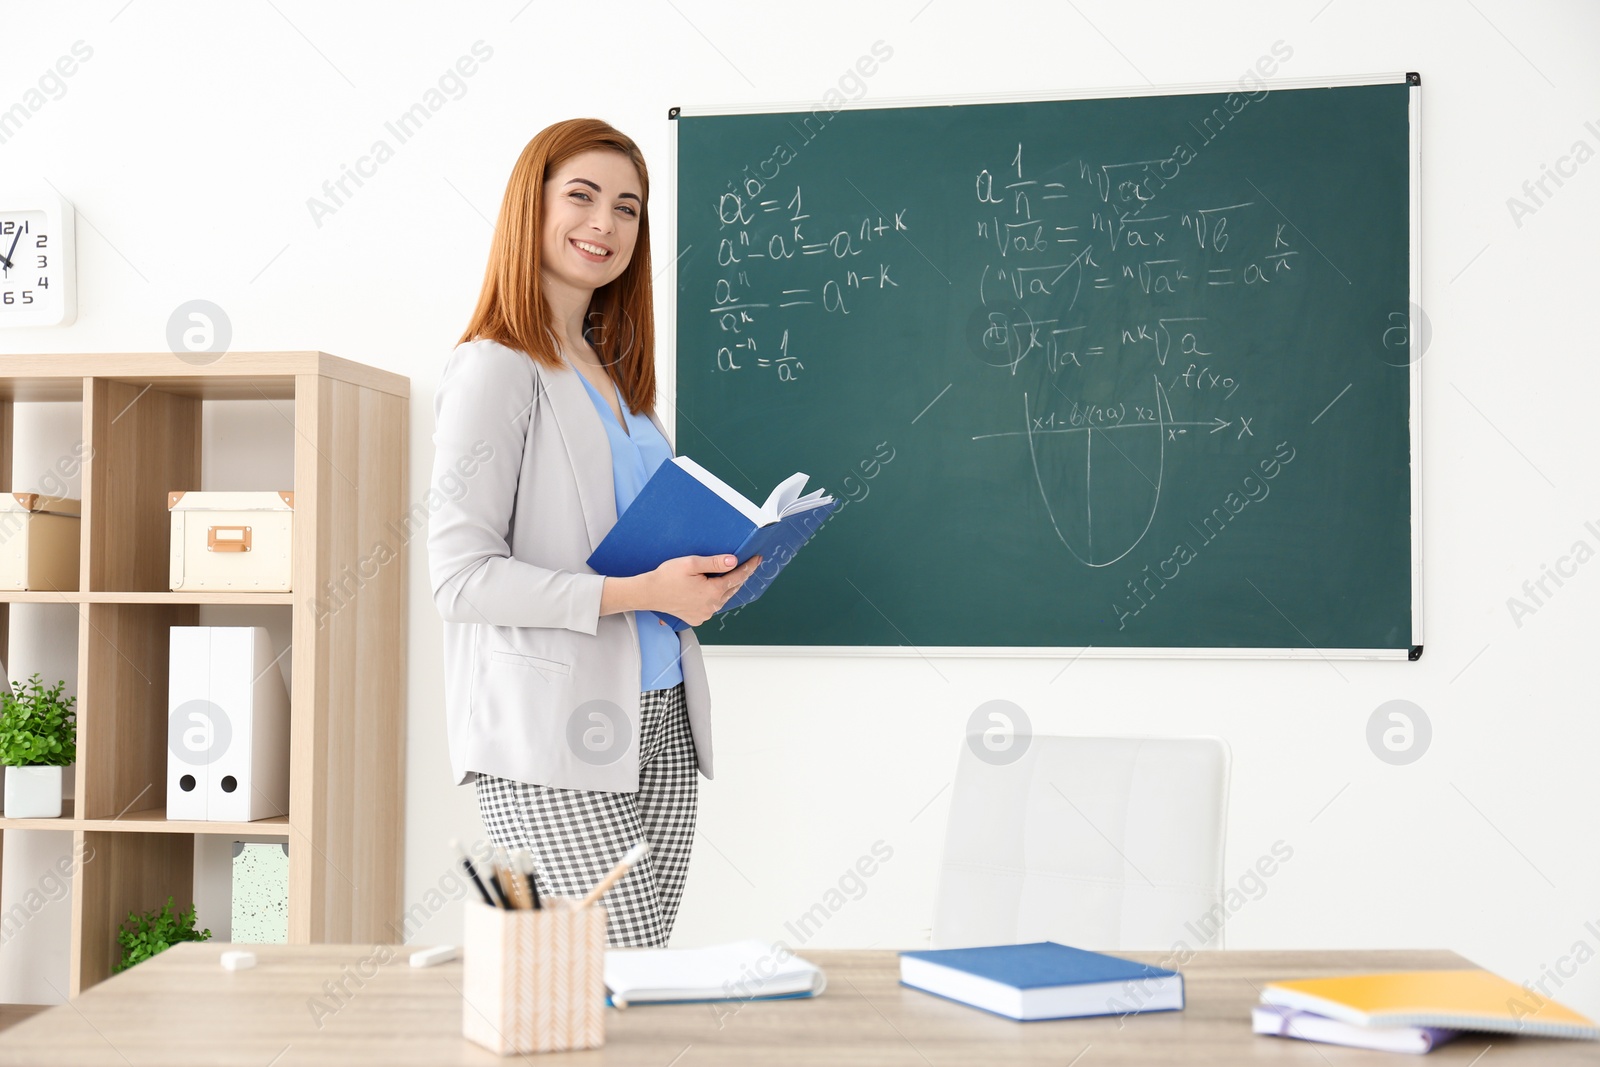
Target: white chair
pixel 1097 842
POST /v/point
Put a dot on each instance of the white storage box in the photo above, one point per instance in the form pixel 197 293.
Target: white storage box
pixel 227 726
pixel 240 541
pixel 38 542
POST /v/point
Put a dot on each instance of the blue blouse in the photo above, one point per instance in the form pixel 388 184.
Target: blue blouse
pixel 635 454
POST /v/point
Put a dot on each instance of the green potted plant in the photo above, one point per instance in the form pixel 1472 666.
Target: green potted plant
pixel 142 936
pixel 38 737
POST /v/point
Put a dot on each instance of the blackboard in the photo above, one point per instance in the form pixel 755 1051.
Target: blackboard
pixel 1122 373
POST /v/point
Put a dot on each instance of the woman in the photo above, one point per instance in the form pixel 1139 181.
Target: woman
pixel 581 716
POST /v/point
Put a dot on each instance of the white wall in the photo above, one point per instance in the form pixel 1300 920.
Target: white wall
pixel 192 139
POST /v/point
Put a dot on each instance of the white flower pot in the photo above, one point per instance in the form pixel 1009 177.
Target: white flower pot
pixel 33 793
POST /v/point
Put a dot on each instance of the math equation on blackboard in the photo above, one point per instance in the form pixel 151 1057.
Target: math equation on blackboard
pixel 1100 273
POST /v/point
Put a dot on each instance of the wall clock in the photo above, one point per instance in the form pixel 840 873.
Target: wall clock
pixel 38 284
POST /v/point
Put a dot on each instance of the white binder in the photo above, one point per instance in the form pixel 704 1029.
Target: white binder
pixel 227 726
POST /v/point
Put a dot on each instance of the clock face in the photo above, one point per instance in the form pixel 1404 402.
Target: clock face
pixel 35 265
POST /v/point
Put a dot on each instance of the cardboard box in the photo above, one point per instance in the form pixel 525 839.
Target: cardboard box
pixel 238 541
pixel 38 542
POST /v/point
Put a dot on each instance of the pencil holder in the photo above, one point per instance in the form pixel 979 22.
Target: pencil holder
pixel 534 980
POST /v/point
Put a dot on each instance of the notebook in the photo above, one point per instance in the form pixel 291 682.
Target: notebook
pixel 1457 1000
pixel 1042 980
pixel 1309 1026
pixel 685 510
pixel 740 970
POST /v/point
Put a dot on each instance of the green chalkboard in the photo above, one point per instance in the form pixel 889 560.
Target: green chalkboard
pixel 1123 373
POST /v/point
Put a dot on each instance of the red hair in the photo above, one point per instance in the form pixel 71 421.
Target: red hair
pixel 512 310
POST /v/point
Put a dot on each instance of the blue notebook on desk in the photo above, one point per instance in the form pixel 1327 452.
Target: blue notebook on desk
pixel 1042 980
pixel 685 510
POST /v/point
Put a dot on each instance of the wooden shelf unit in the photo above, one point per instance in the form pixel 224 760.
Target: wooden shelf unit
pixel 345 827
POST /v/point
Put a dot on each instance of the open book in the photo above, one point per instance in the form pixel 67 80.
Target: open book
pixel 718 972
pixel 685 510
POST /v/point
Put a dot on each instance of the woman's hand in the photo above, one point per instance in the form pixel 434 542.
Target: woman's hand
pixel 691 587
pixel 694 588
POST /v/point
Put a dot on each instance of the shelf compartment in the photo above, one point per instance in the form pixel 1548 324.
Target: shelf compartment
pixel 122 726
pixel 120 873
pixel 144 442
pixel 46 473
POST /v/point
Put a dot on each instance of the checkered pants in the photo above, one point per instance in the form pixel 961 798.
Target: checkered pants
pixel 577 835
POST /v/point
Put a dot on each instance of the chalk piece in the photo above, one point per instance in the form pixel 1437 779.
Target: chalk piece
pixel 238 960
pixel 429 956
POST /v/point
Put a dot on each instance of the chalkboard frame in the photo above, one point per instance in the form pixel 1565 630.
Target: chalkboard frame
pixel 666 225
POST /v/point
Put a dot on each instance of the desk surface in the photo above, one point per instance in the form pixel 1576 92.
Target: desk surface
pixel 182 1008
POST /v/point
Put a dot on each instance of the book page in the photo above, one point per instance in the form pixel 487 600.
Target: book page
pixel 785 494
pixel 814 499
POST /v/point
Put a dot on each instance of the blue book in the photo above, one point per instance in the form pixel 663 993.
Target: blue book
pixel 685 510
pixel 1043 980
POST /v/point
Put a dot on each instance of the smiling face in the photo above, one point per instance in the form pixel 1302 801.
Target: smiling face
pixel 592 205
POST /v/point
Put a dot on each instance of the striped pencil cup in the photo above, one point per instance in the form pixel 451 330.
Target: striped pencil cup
pixel 534 980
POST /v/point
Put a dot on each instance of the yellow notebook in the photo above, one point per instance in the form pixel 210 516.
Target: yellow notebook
pixel 1458 1000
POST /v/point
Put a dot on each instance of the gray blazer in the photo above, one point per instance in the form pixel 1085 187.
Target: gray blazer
pixel 539 687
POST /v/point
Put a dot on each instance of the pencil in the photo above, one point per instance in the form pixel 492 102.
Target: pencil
pixel 525 869
pixel 615 874
pixel 498 885
pixel 472 872
pixel 515 883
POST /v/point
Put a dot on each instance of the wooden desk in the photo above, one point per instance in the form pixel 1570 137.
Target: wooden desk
pixel 182 1008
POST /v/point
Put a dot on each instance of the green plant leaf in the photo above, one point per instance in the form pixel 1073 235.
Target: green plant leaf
pixel 144 936
pixel 38 726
